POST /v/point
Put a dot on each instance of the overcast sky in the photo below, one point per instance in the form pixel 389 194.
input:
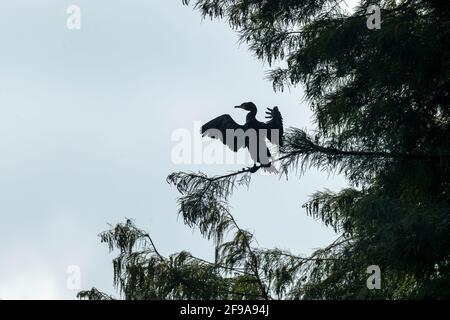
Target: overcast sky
pixel 86 120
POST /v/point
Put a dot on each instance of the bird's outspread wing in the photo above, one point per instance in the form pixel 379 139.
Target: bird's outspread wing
pixel 274 126
pixel 223 128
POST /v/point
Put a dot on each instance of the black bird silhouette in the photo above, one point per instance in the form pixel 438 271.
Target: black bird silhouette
pixel 252 135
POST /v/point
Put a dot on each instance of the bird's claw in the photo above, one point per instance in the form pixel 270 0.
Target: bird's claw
pixel 253 169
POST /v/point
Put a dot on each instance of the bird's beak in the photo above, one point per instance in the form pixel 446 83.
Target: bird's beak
pixel 238 107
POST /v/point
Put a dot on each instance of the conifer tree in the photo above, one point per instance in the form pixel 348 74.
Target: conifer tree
pixel 380 99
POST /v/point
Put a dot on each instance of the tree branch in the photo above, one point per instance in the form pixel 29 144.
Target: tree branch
pixel 329 151
pixel 254 259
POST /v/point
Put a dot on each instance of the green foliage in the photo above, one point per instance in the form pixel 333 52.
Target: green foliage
pixel 381 104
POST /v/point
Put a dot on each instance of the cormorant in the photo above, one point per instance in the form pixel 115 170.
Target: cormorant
pixel 252 135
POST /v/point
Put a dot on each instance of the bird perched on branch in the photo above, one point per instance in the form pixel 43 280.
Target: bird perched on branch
pixel 253 135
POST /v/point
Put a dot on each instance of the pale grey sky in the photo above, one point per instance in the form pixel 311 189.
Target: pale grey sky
pixel 86 119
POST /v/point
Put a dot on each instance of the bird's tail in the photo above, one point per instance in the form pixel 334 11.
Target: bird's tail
pixel 274 153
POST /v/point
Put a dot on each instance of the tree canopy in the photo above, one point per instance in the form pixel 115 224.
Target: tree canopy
pixel 380 100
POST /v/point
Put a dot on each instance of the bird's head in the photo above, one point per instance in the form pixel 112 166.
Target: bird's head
pixel 248 106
